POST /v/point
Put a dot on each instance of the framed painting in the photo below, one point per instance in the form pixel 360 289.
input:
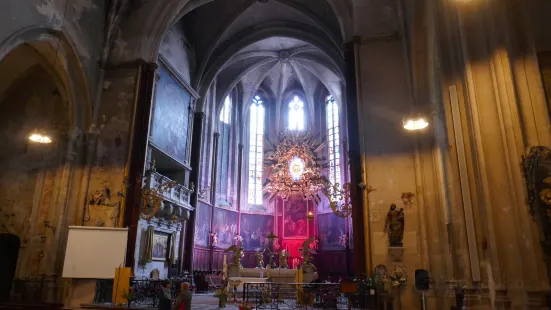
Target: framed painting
pixel 295 221
pixel 169 128
pixel 160 246
pixel 202 224
pixel 225 227
pixel 332 230
pixel 254 229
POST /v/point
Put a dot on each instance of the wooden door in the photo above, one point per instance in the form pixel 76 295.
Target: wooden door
pixel 8 261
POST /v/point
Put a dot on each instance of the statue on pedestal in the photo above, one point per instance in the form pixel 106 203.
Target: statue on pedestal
pixel 394 226
pixel 259 260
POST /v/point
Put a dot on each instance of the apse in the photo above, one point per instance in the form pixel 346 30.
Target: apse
pixel 277 129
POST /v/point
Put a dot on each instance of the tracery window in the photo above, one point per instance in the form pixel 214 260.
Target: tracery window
pixel 224 152
pixel 225 114
pixel 256 151
pixel 296 114
pixel 332 115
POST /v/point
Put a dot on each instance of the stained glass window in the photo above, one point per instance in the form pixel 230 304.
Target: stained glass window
pixel 222 177
pixel 296 114
pixel 256 151
pixel 333 139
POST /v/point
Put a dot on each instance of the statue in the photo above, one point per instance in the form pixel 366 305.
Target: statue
pixel 237 255
pixel 394 226
pixel 306 252
pixel 259 260
pixel 283 259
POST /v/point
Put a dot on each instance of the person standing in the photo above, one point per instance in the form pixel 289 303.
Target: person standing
pixel 183 302
pixel 165 299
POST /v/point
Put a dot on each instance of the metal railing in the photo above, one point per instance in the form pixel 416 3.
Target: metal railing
pixel 269 295
pixel 144 292
pixel 41 290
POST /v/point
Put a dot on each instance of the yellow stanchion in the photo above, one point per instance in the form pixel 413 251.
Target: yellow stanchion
pixel 121 285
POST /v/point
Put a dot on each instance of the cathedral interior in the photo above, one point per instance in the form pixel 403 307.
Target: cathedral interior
pixel 269 142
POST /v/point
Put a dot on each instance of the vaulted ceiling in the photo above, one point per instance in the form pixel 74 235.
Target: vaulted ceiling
pixel 275 44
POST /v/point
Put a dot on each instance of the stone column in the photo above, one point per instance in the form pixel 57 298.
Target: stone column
pixel 239 182
pixel 362 260
pixel 137 154
pixel 196 168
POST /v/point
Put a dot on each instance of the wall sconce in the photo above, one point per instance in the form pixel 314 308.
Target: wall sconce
pixel 40 137
pixel 415 123
pixel 310 215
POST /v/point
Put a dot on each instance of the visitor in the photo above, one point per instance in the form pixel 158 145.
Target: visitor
pixel 183 302
pixel 165 299
pixel 317 279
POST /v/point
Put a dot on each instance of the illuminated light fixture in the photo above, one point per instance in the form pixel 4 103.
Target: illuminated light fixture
pixel 310 215
pixel 296 168
pixel 415 123
pixel 40 137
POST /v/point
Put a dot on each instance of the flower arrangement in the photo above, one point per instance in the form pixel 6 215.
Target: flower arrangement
pixel 245 306
pixel 221 293
pixel 398 276
pixel 222 296
pixel 143 261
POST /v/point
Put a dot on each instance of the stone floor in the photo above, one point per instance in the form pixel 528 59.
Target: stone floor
pixel 209 302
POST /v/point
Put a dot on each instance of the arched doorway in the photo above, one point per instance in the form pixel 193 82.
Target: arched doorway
pixel 9 244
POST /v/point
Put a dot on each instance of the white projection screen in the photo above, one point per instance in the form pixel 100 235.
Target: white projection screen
pixel 94 252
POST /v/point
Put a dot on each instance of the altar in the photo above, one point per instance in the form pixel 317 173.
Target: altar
pixel 277 274
pixel 242 281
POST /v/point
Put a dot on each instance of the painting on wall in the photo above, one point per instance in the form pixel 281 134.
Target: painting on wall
pixel 332 231
pixel 169 128
pixel 254 229
pixel 160 246
pixel 295 222
pixel 225 227
pixel 202 224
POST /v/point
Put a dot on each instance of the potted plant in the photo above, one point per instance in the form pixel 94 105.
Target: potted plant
pixel 222 296
pixel 142 262
pixel 129 296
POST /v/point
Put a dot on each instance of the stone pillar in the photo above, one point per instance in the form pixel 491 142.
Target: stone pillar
pixel 137 154
pixel 362 261
pixel 239 182
pixel 195 160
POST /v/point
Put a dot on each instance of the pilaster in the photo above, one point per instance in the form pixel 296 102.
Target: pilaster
pixel 492 70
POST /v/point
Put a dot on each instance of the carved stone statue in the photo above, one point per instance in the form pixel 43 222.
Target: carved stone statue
pixel 259 260
pixel 394 226
pixel 283 259
pixel 100 210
